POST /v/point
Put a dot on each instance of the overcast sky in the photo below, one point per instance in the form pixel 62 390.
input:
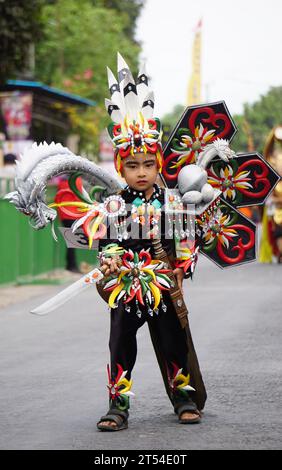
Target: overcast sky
pixel 241 49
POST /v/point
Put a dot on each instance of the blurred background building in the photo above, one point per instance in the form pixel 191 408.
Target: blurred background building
pixel 31 111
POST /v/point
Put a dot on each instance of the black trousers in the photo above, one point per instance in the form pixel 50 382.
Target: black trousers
pixel 166 327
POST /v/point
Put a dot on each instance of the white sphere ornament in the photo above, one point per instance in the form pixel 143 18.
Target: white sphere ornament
pixel 191 177
pixel 207 192
pixel 192 197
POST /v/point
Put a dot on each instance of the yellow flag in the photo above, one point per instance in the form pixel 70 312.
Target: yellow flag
pixel 194 87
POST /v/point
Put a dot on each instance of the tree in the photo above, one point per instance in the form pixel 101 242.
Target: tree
pixel 131 8
pixel 20 26
pixel 257 120
pixel 80 39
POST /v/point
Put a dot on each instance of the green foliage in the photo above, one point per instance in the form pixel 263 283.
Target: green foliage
pixel 240 141
pixel 131 8
pixel 258 119
pixel 20 26
pixel 173 117
pixel 80 40
pixel 80 37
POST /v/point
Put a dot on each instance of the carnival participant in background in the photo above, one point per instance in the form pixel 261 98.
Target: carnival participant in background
pixel 271 241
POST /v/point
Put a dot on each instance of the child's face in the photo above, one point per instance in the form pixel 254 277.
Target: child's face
pixel 140 171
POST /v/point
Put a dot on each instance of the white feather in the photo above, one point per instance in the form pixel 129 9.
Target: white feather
pixel 142 87
pixel 148 110
pixel 131 104
pixel 34 154
pixel 122 67
pixel 115 114
pixel 116 96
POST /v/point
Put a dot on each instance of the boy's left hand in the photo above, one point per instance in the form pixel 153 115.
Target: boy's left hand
pixel 110 266
pixel 179 274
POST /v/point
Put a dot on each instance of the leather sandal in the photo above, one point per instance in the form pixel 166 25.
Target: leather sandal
pixel 190 408
pixel 117 416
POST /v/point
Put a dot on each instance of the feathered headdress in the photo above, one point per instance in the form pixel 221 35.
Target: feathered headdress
pixel 133 130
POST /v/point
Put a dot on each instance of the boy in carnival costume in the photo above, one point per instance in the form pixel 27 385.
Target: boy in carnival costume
pixel 142 277
pixel 138 159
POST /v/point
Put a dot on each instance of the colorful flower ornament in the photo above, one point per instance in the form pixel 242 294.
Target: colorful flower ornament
pixel 187 255
pixel 179 382
pixel 120 388
pixel 133 130
pixel 228 180
pixel 110 250
pixel 188 145
pixel 217 228
pixel 141 279
pixel 89 213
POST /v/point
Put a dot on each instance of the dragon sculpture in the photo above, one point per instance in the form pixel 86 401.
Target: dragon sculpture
pixel 42 162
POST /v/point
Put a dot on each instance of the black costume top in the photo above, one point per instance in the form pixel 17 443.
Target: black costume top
pixel 167 230
pixel 137 244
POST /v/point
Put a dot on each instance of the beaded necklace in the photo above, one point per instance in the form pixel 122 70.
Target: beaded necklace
pixel 141 194
pixel 147 211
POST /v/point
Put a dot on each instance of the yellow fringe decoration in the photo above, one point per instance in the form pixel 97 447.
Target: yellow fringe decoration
pixel 156 294
pixel 265 252
pixel 114 294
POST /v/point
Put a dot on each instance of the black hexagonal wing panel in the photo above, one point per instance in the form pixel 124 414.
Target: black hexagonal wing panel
pixel 198 126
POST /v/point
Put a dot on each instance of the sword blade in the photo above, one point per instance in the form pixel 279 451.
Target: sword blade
pixel 69 292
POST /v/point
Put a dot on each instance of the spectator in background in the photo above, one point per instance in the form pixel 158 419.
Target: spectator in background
pixel 71 263
pixel 7 174
pixel 9 168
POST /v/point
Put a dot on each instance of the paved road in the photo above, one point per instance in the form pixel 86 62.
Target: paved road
pixel 53 370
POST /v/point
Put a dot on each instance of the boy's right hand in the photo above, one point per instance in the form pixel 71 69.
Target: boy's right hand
pixel 110 266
